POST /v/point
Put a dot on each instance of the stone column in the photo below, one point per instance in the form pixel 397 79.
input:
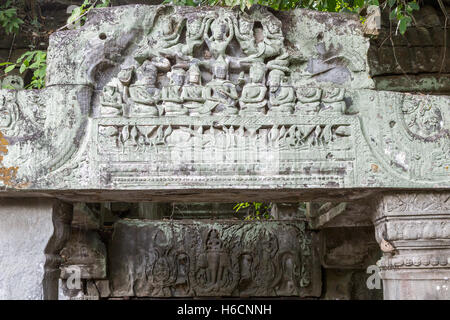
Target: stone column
pixel 413 230
pixel 32 233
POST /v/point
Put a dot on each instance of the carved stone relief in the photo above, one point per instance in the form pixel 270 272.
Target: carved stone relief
pixel 43 129
pixel 170 97
pixel 182 259
pixel 207 73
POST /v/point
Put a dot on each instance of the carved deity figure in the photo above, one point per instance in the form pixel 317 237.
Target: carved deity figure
pixel 166 41
pixel 192 93
pixel 245 270
pixel 265 263
pixel 272 44
pixel 253 95
pixel 308 100
pixel 281 94
pixel 171 94
pixel 289 274
pixel 217 259
pixel 111 101
pixel 144 92
pixel 333 100
pixel 244 34
pixel 195 30
pixel 220 93
pixel 222 33
pixel 116 93
pixel 9 111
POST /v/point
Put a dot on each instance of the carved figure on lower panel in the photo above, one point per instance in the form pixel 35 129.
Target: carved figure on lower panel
pixel 253 95
pixel 281 94
pixel 265 269
pixel 171 94
pixel 290 271
pixel 220 93
pixel 214 272
pixel 308 100
pixel 245 271
pixel 163 273
pixel 144 92
pixel 182 285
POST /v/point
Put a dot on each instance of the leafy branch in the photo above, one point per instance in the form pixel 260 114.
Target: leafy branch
pixel 9 19
pixel 36 61
pixel 255 210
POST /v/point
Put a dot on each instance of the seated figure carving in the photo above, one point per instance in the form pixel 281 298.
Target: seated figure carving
pixel 308 100
pixel 192 93
pixel 281 94
pixel 220 93
pixel 116 93
pixel 171 94
pixel 333 100
pixel 253 100
pixel 111 101
pixel 144 92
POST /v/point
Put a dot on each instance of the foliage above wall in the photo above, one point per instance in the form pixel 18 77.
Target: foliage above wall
pixel 15 14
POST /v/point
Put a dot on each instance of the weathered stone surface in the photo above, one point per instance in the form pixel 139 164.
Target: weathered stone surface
pixel 86 218
pixel 86 251
pixel 340 214
pixel 195 99
pixel 182 259
pixel 32 232
pixel 345 248
pixel 348 284
pixel 287 211
pixel 43 129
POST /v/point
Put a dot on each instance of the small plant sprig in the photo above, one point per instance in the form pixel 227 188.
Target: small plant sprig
pixel 9 19
pixel 36 61
pixel 255 210
pixel 77 17
pixel 403 12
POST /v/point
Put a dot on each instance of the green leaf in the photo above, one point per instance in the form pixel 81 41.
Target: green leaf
pixel 10 68
pixel 393 14
pixel 413 5
pixel 331 5
pixel 403 24
pixel 23 67
pixel 391 3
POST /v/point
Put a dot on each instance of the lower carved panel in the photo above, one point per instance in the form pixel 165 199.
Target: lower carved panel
pixel 232 258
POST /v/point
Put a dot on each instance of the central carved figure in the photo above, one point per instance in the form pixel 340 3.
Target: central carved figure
pixel 220 93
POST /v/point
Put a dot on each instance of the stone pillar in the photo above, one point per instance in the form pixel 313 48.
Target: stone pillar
pixel 32 233
pixel 413 230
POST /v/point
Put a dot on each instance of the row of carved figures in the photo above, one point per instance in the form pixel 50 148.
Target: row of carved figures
pixel 185 94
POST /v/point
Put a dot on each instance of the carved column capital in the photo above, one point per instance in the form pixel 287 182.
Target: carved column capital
pixel 413 230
